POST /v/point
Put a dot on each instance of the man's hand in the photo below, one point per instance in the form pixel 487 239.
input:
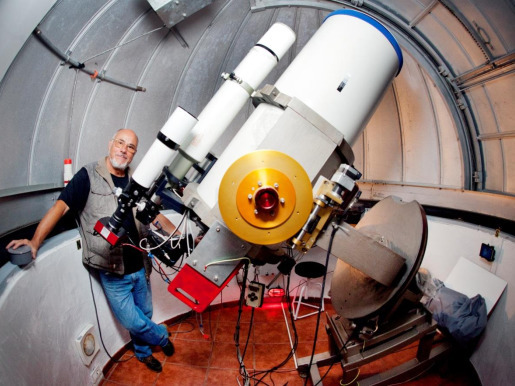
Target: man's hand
pixel 45 226
pixel 15 244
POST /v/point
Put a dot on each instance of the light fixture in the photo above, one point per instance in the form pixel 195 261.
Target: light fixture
pixel 276 292
pixel 87 345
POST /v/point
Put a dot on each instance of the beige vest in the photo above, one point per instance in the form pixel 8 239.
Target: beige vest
pixel 102 202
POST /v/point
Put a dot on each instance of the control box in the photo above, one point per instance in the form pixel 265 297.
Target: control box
pixel 255 294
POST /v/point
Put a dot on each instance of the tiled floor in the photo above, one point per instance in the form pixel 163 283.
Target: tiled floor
pixel 211 359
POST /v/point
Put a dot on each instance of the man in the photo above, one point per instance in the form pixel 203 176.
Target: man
pixel 124 271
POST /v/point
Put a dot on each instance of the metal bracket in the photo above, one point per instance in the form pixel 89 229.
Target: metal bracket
pixel 233 77
pixel 271 95
pixel 477 176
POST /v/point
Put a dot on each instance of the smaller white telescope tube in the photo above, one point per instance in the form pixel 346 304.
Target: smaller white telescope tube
pixel 232 96
pixel 168 140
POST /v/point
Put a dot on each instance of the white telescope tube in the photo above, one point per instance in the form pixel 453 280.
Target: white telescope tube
pixel 160 154
pixel 344 70
pixel 232 96
pixel 341 74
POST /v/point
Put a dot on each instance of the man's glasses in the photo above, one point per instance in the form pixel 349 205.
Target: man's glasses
pixel 120 143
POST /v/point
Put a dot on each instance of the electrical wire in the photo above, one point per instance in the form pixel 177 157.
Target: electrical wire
pixel 300 284
pixel 200 324
pixel 169 237
pixel 184 230
pixel 187 331
pixel 188 232
pixel 243 370
pixel 351 382
pixel 330 246
pixel 72 104
pixel 344 347
pixel 242 286
pixel 249 332
pixel 160 271
pixel 132 246
pixel 294 345
pixel 98 322
pixel 409 347
pixel 226 261
pixel 123 44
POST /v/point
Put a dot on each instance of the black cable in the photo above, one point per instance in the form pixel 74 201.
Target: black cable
pixel 333 233
pixel 185 332
pixel 248 334
pixel 344 347
pixel 162 274
pixel 98 323
pixel 251 320
pixel 242 369
pixel 295 342
pixel 250 328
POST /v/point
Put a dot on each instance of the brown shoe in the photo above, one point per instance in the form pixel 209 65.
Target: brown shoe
pixel 152 363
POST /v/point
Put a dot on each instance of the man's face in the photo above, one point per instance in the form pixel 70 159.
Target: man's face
pixel 122 148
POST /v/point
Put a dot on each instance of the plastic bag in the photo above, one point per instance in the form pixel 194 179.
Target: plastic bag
pixel 462 317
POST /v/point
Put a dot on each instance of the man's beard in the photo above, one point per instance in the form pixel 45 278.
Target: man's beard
pixel 117 165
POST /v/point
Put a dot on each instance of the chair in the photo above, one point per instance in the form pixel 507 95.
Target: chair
pixel 309 270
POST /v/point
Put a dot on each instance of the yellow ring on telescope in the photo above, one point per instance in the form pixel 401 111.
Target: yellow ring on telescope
pixel 268 168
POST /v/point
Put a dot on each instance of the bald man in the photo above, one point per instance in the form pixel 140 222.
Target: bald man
pixel 124 271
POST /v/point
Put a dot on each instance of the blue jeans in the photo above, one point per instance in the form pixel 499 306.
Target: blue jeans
pixel 130 298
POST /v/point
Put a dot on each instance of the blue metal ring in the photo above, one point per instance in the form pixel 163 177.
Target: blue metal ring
pixel 376 24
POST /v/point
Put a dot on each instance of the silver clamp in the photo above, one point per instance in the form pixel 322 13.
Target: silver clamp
pixel 232 76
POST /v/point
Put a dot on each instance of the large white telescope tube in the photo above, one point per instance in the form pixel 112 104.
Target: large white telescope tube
pixel 232 96
pixel 341 74
pixel 344 70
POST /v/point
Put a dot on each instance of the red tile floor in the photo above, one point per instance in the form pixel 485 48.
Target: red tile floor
pixel 211 359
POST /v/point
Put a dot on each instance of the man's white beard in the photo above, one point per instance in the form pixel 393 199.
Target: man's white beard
pixel 117 165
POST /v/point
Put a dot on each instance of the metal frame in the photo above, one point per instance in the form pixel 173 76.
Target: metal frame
pixel 353 352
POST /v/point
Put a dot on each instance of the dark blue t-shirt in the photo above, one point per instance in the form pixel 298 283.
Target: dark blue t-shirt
pixel 76 194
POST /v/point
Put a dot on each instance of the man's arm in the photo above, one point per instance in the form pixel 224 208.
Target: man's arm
pixel 47 223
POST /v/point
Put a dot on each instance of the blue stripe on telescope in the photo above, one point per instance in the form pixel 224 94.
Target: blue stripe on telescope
pixel 377 25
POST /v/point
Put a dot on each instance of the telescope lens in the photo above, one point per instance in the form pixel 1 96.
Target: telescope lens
pixel 266 199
